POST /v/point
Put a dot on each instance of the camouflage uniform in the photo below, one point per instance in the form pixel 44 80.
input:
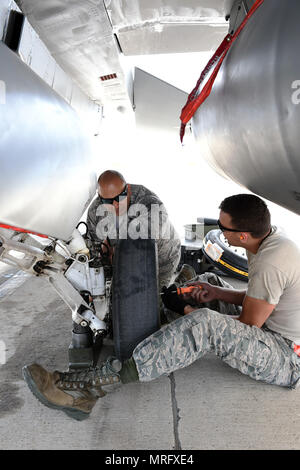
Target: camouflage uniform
pixel 257 352
pixel 168 242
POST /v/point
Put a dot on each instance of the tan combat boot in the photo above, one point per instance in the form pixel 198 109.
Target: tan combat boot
pixel 56 389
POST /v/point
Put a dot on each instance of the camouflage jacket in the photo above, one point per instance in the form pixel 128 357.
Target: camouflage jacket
pixel 146 218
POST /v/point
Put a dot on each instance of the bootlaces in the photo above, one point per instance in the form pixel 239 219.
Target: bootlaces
pixel 85 379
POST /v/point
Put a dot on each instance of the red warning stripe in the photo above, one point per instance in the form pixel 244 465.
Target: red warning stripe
pixel 194 99
pixel 297 349
pixel 18 229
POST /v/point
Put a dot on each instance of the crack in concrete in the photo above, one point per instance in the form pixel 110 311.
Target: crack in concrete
pixel 175 411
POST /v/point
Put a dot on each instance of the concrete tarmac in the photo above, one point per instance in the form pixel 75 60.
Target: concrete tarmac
pixel 205 406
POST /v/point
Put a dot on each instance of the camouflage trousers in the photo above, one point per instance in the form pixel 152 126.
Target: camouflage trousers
pixel 259 353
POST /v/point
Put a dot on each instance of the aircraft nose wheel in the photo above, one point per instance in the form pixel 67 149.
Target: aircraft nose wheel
pixel 135 306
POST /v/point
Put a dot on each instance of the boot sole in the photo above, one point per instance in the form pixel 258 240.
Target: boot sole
pixel 78 415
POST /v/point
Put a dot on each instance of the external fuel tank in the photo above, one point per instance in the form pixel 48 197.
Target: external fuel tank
pixel 249 127
pixel 47 176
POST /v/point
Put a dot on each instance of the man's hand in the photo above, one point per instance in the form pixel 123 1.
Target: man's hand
pixel 107 250
pixel 172 300
pixel 203 292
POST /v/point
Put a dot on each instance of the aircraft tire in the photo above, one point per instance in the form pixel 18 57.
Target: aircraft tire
pixel 231 262
pixel 135 306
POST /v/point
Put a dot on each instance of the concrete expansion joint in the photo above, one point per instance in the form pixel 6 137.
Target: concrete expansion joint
pixel 175 412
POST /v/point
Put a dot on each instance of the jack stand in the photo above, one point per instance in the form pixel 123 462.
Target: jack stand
pixel 83 352
pixel 81 349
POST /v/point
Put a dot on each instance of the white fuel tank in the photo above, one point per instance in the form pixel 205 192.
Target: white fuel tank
pixel 248 128
pixel 47 175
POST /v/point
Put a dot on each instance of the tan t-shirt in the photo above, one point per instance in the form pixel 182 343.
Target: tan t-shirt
pixel 274 276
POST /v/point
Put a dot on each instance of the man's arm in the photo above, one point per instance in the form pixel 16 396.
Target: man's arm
pixel 205 292
pixel 265 287
pixel 94 243
pixel 255 312
pixel 91 224
pixel 230 296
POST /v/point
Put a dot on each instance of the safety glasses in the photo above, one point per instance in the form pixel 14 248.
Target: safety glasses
pixel 225 229
pixel 123 194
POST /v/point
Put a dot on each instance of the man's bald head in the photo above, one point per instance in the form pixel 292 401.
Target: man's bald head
pixel 109 176
pixel 111 183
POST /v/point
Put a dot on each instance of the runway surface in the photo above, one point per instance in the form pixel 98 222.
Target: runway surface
pixel 205 406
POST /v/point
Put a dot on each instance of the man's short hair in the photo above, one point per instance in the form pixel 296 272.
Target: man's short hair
pixel 248 213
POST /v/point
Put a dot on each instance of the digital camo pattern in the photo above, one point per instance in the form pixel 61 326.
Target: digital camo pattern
pixel 168 242
pixel 257 352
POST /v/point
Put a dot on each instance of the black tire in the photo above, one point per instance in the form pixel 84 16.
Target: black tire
pixel 135 306
pixel 231 262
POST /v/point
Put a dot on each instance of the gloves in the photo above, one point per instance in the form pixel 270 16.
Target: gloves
pixel 172 300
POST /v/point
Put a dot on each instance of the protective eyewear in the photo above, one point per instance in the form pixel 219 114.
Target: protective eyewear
pixel 123 194
pixel 225 229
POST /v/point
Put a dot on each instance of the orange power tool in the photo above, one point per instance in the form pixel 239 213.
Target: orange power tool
pixel 186 290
